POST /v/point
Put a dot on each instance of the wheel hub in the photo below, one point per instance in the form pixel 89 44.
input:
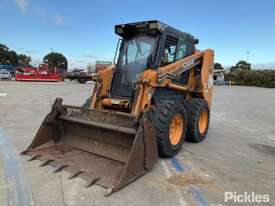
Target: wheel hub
pixel 176 129
pixel 203 120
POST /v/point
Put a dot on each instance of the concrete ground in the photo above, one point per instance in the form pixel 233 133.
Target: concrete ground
pixel 238 155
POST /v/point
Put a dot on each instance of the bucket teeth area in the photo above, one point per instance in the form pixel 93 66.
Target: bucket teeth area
pixel 109 191
pixel 59 168
pixel 92 181
pixel 46 163
pixel 34 157
pixel 91 167
pixel 75 174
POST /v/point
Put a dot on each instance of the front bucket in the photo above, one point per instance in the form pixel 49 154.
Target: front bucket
pixel 106 148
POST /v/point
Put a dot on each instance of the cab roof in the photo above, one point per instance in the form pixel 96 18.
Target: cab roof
pixel 152 27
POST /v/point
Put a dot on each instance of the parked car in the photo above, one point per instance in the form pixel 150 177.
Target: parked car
pixel 5 74
pixel 10 68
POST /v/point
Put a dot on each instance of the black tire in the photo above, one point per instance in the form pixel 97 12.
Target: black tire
pixel 194 109
pixel 82 80
pixel 162 116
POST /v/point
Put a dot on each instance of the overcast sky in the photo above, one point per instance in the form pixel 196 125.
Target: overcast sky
pixel 83 30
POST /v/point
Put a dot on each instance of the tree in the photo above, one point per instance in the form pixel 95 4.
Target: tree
pixel 8 56
pixel 56 60
pixel 4 47
pixel 241 66
pixel 258 78
pixel 4 59
pixel 23 60
pixel 13 58
pixel 218 66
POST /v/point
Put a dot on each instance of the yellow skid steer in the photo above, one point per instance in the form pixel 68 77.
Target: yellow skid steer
pixel 157 94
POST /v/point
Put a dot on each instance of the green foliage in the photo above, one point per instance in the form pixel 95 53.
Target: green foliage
pixel 4 47
pixel 53 59
pixel 24 60
pixel 241 65
pixel 218 66
pixel 7 56
pixel 13 58
pixel 56 60
pixel 258 78
pixel 3 56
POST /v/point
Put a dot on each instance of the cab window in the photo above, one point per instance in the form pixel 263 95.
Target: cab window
pixel 175 49
pixel 169 50
pixel 181 49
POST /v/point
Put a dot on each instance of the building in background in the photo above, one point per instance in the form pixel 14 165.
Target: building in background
pixel 218 77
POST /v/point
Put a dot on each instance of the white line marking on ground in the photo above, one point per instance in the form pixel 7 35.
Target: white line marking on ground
pixel 168 175
pixel 18 191
pixel 3 94
pixel 165 168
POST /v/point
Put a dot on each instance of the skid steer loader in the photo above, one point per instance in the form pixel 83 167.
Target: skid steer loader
pixel 157 94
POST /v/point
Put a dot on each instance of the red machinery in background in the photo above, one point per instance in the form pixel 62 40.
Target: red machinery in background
pixel 40 74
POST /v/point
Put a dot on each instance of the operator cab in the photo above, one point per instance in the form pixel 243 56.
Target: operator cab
pixel 146 45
